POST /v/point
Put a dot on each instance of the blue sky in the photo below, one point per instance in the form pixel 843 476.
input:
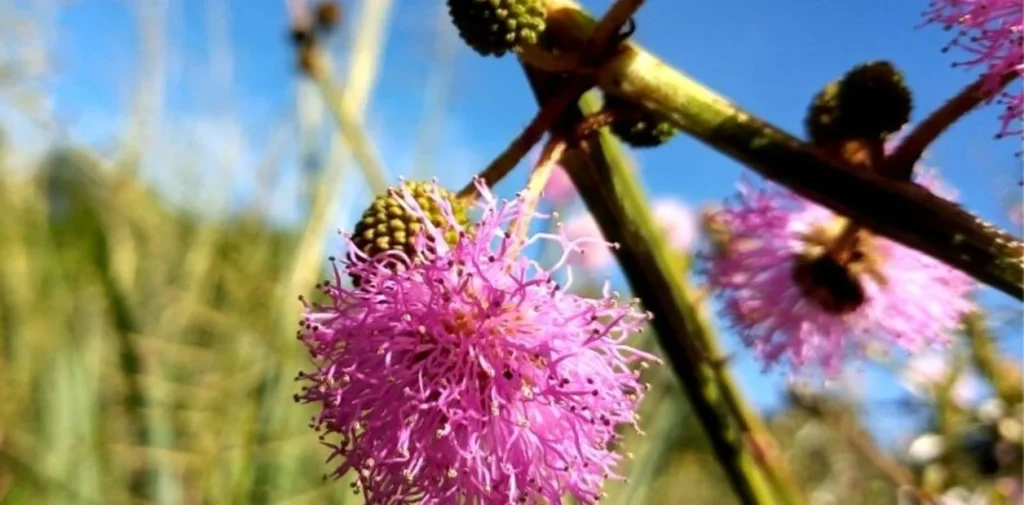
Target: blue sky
pixel 768 56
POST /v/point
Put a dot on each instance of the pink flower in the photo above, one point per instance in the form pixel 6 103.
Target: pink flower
pixel 677 222
pixel 794 294
pixel 1017 213
pixel 559 189
pixel 991 35
pixel 466 374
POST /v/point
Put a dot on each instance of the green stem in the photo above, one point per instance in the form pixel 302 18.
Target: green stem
pixel 986 358
pixel 903 212
pixel 349 126
pixel 900 165
pixel 614 197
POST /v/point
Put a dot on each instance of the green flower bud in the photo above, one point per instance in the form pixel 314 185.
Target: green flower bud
pixel 637 126
pixel 387 226
pixel 494 27
pixel 870 101
pixel 822 121
pixel 875 100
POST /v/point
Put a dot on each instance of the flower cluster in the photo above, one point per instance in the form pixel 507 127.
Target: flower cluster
pixel 802 285
pixel 991 33
pixel 465 373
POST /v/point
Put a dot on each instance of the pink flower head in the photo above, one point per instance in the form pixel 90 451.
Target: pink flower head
pixel 795 294
pixel 559 189
pixel 465 374
pixel 991 35
pixel 590 255
pixel 677 222
pixel 1010 119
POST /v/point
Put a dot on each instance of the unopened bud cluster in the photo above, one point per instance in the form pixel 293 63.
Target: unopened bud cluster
pixel 495 27
pixel 636 126
pixel 870 102
pixel 387 225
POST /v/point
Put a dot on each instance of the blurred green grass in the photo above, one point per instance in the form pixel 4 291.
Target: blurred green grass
pixel 138 351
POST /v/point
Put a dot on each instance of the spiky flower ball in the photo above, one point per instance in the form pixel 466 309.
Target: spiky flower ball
pixel 802 287
pixel 874 101
pixel 494 27
pixel 822 120
pixel 636 126
pixel 387 225
pixel 871 101
pixel 470 376
pixel 646 132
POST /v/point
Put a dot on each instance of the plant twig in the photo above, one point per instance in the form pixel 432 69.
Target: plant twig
pixel 903 212
pixel 550 62
pixel 900 164
pixel 612 194
pixel 610 25
pixel 856 436
pixel 1004 376
pixel 549 157
pixel 604 34
pixel 350 128
pixel 549 112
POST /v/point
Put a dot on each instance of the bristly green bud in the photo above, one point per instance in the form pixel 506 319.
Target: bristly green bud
pixel 494 27
pixel 875 100
pixel 637 126
pixel 870 101
pixel 822 121
pixel 387 226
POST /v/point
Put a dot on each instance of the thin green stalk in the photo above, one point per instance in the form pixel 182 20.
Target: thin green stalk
pixel 616 200
pixel 595 49
pixel 986 358
pixel 348 108
pixel 437 95
pixel 135 401
pixel 903 212
pixel 355 137
pixel 48 485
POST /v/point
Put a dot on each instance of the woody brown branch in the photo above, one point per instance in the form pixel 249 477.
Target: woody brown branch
pixel 604 38
pixel 901 211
